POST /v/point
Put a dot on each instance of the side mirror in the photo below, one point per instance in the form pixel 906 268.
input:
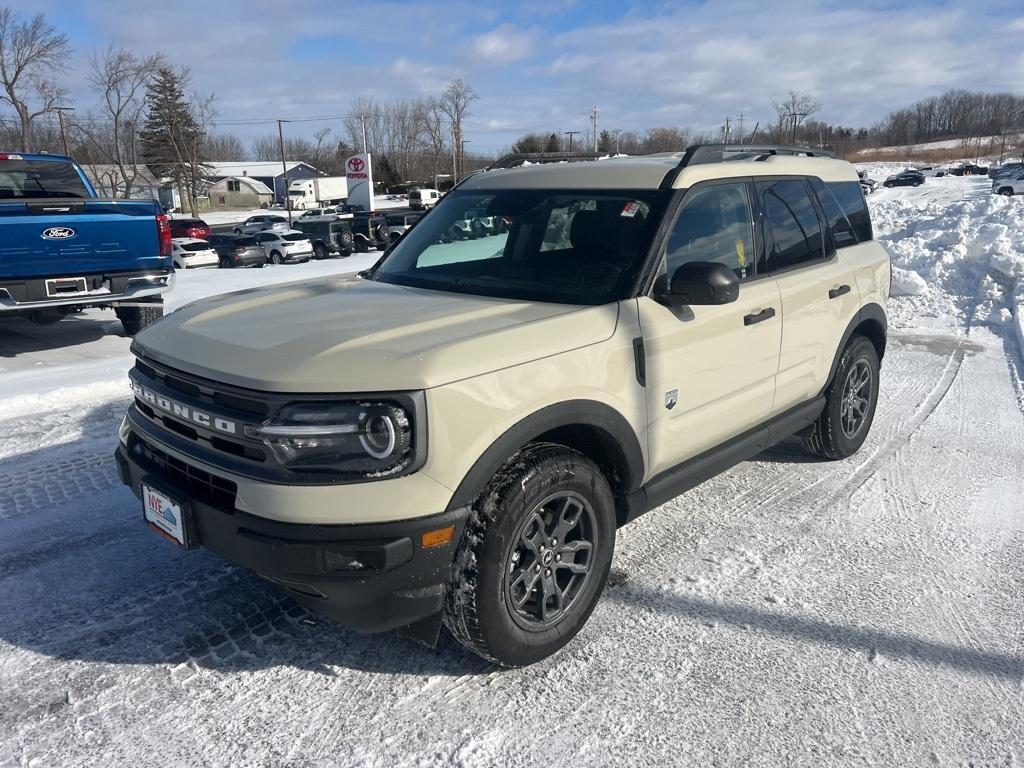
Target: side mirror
pixel 702 282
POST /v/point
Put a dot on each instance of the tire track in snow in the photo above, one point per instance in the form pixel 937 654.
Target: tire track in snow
pixel 47 487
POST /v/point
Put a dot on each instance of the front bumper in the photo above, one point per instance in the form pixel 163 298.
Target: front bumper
pixel 106 289
pixel 368 577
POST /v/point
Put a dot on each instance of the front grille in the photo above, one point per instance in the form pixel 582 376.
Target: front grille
pixel 183 477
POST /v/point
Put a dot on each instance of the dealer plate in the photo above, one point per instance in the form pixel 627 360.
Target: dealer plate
pixel 166 515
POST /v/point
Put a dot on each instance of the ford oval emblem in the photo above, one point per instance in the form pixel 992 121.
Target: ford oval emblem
pixel 58 233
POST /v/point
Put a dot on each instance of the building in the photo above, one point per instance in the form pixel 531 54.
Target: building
pixel 107 181
pixel 269 173
pixel 239 193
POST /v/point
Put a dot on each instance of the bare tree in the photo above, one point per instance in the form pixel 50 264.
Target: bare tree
pixel 796 108
pixel 31 52
pixel 224 146
pixel 120 77
pixel 454 104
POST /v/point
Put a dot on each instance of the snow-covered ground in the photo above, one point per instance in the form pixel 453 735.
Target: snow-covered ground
pixel 789 612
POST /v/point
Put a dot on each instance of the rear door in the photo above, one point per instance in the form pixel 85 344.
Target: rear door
pixel 710 370
pixel 818 289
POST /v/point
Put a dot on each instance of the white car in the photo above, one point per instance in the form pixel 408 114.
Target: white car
pixel 1009 185
pixel 288 246
pixel 320 213
pixel 191 253
pixel 261 223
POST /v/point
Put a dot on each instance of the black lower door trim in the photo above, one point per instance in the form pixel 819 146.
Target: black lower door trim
pixel 692 472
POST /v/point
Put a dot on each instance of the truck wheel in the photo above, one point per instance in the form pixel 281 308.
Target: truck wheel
pixel 320 251
pixel 850 402
pixel 535 557
pixel 134 319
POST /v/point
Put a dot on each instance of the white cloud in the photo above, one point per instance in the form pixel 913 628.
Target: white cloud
pixel 503 45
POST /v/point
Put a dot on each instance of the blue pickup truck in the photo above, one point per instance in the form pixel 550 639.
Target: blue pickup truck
pixel 62 248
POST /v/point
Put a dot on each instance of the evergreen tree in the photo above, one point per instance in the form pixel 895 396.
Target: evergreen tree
pixel 171 139
pixel 553 144
pixel 529 144
pixel 384 173
pixel 605 144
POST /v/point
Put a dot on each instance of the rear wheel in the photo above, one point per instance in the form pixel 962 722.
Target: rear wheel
pixel 275 258
pixel 134 319
pixel 320 251
pixel 535 557
pixel 1008 191
pixel 850 402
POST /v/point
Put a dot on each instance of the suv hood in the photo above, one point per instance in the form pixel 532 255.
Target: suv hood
pixel 353 335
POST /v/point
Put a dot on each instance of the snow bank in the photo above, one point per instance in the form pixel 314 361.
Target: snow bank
pixel 956 249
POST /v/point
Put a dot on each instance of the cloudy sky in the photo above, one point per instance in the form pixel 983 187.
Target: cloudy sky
pixel 542 65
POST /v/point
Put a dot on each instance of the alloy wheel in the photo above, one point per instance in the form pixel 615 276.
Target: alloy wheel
pixel 853 409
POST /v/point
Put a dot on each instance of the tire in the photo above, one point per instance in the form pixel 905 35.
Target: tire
pixel 225 262
pixel 320 251
pixel 134 319
pixel 237 231
pixel 275 258
pixel 360 245
pixel 532 488
pixel 1008 191
pixel 831 435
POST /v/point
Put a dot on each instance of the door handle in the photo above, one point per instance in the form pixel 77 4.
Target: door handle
pixel 759 317
pixel 835 293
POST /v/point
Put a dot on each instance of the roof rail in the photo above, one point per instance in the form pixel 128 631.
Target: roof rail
pixel 718 153
pixel 532 158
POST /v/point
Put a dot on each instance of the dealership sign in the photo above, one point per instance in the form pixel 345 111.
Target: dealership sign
pixel 360 181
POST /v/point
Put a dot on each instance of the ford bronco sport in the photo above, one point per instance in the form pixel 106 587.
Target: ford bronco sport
pixel 456 434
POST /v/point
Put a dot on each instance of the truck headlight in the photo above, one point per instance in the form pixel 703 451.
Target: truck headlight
pixel 363 439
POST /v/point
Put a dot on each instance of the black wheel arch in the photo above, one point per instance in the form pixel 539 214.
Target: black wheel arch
pixel 870 322
pixel 594 429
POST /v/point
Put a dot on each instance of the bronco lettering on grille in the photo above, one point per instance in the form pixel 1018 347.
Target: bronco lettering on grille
pixel 182 411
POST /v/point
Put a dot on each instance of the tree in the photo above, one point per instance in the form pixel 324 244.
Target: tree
pixel 120 77
pixel 31 53
pixel 223 146
pixel 792 112
pixel 455 102
pixel 553 144
pixel 529 144
pixel 605 144
pixel 172 139
pixel 384 173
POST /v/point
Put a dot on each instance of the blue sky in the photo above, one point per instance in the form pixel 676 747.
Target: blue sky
pixel 542 65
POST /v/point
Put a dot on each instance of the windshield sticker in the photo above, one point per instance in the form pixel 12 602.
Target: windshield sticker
pixel 631 208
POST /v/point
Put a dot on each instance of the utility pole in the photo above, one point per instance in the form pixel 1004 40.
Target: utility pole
pixel 462 154
pixel 570 134
pixel 793 119
pixel 726 130
pixel 455 158
pixel 741 128
pixel 593 122
pixel 63 133
pixel 616 133
pixel 362 122
pixel 284 167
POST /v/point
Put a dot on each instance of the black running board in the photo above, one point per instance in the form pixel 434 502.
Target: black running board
pixel 692 472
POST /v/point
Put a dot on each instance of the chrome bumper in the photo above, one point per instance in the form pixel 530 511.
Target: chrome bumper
pixel 142 286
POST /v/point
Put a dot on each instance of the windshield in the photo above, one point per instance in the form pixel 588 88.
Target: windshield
pixel 562 246
pixel 40 178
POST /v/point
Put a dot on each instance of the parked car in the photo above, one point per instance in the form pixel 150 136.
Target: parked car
pixel 868 185
pixel 398 223
pixel 260 223
pixel 330 237
pixel 908 178
pixel 928 171
pixel 191 253
pixel 285 247
pixel 1009 185
pixel 423 199
pixel 369 232
pixel 238 250
pixel 63 249
pixel 320 213
pixel 190 228
pixel 455 436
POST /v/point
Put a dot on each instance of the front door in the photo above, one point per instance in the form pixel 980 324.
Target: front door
pixel 710 370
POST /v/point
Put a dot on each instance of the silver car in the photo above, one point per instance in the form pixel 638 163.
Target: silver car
pixel 262 223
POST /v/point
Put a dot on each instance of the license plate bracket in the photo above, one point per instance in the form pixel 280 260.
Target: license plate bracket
pixel 65 286
pixel 168 514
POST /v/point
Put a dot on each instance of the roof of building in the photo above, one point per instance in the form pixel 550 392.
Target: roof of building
pixel 265 168
pixel 654 171
pixel 253 184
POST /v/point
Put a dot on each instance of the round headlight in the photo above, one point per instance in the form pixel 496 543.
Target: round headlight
pixel 379 436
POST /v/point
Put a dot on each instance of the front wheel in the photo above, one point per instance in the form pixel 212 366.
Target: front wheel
pixel 1006 191
pixel 535 557
pixel 850 402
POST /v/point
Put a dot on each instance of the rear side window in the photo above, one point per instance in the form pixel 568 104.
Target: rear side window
pixel 850 197
pixel 243 241
pixel 294 236
pixel 796 232
pixel 838 223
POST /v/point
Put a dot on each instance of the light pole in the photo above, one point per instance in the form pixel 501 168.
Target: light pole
pixel 462 154
pixel 284 168
pixel 570 134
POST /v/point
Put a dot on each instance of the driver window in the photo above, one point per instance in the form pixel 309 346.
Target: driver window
pixel 714 225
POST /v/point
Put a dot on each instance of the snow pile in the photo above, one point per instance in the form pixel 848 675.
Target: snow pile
pixel 956 249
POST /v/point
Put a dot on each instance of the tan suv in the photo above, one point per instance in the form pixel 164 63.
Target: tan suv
pixel 456 434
